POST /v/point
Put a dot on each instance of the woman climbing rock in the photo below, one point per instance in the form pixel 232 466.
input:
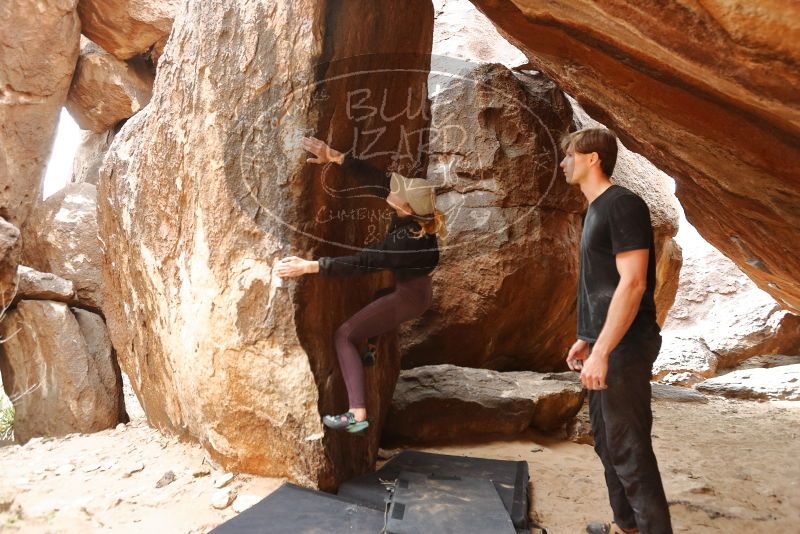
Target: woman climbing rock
pixel 410 250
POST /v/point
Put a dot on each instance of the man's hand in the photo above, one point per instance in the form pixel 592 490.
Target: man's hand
pixel 293 266
pixel 595 369
pixel 577 354
pixel 322 151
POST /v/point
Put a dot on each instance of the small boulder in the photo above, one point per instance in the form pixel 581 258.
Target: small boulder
pixel 106 90
pixel 781 383
pixel 35 285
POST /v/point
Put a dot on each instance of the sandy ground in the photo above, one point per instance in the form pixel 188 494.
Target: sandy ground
pixel 728 466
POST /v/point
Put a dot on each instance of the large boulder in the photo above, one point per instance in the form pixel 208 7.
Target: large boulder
pixel 204 189
pixel 720 113
pixel 89 156
pixel 106 90
pixel 10 251
pixel 721 310
pixel 505 288
pixel 58 382
pixel 126 28
pixel 37 59
pixel 62 239
pixel 447 403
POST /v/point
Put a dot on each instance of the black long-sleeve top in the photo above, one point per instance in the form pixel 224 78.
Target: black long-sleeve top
pixel 399 251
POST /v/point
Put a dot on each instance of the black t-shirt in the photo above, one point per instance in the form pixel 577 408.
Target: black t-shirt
pixel 616 221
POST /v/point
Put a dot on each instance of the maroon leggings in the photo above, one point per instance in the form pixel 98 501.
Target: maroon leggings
pixel 409 299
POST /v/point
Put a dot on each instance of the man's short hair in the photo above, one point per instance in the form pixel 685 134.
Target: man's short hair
pixel 600 140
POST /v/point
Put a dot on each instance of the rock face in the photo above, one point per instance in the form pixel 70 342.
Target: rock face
pixel 445 402
pixel 781 383
pixel 720 317
pixel 126 28
pixel 89 156
pixel 768 361
pixel 715 113
pixel 106 90
pixel 666 392
pixel 655 188
pixel 58 382
pixel 43 286
pixel 504 293
pixel 684 354
pixel 36 66
pixel 98 345
pixel 62 239
pixel 210 183
pixel 462 32
pixel 9 260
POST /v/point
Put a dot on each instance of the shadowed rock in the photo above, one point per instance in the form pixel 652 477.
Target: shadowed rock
pixel 444 402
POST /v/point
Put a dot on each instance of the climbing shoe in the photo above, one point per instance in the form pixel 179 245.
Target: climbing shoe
pixel 346 421
pixel 370 355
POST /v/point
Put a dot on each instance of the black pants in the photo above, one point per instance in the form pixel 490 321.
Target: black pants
pixel 621 422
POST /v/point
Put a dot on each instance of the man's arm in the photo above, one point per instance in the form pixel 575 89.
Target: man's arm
pixel 632 268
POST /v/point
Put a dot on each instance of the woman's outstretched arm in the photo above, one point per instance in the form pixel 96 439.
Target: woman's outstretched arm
pixel 363 172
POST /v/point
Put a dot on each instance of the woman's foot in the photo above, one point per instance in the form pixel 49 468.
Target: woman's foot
pixel 346 421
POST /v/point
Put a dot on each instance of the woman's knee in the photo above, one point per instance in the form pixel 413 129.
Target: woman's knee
pixel 344 334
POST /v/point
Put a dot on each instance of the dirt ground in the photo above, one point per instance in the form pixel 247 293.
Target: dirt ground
pixel 728 466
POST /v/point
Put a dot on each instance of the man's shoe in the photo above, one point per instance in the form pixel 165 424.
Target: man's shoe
pixel 609 528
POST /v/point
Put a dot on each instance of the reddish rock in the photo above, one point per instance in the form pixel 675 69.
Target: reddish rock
pixel 126 28
pixel 208 185
pixel 59 384
pixel 106 90
pixel 37 59
pixel 720 113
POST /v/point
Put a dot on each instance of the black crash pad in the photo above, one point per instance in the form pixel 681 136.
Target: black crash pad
pixel 446 504
pixel 291 509
pixel 510 479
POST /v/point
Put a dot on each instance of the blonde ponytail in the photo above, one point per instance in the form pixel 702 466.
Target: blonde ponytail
pixel 432 224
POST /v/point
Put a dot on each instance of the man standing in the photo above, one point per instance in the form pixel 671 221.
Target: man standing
pixel 618 337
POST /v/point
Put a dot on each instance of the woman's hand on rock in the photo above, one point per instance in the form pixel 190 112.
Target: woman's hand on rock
pixel 322 152
pixel 292 266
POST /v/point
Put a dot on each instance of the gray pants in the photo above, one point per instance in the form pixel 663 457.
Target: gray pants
pixel 409 299
pixel 621 422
